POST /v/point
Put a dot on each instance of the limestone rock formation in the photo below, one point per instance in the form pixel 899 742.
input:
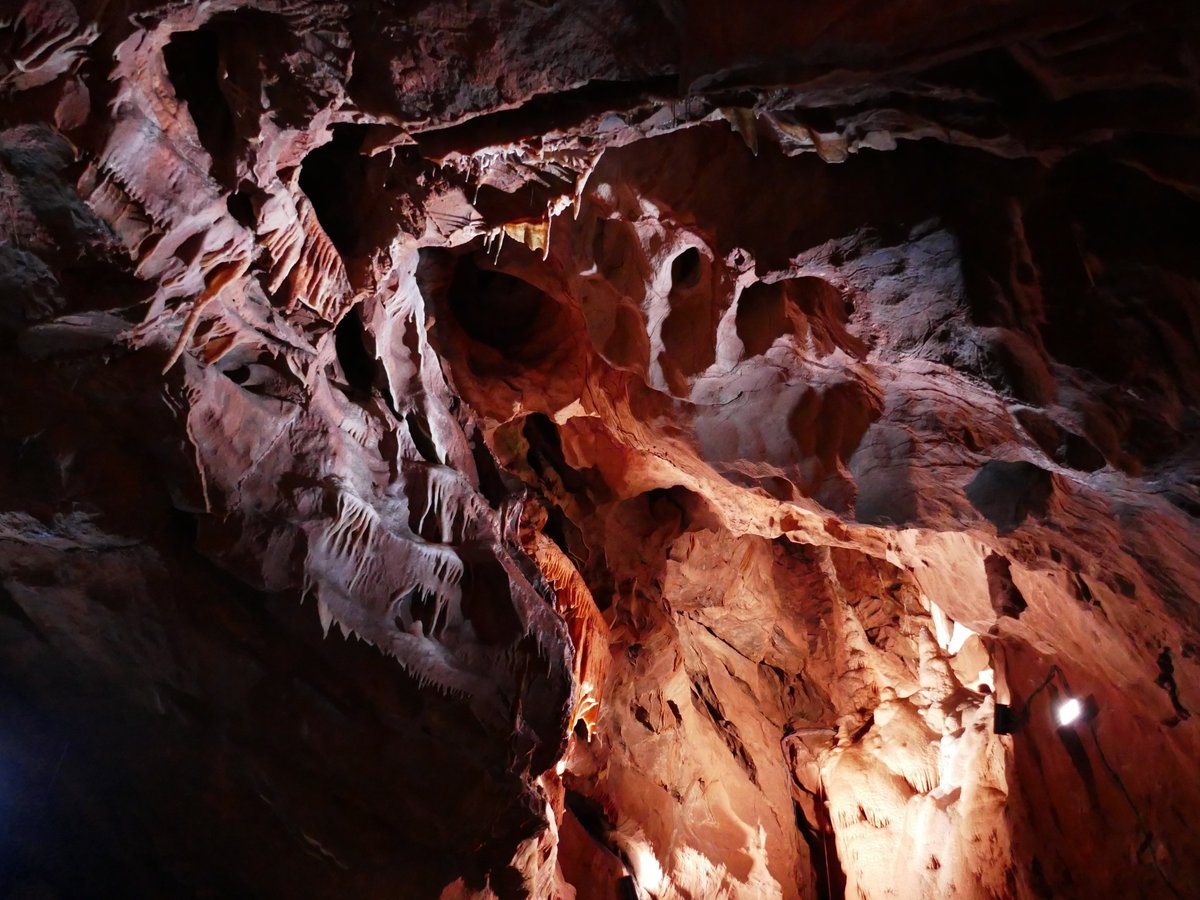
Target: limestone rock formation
pixel 599 449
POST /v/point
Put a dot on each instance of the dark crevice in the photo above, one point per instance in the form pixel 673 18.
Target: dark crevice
pixel 1166 681
pixel 183 527
pixel 674 707
pixel 423 608
pixel 569 538
pixel 591 815
pixel 496 205
pixel 685 269
pixel 702 690
pixel 717 637
pixel 861 731
pixel 193 60
pixel 595 822
pixel 496 485
pixel 828 877
pixel 333 177
pixel 358 365
pixel 1064 447
pixel 528 568
pixel 241 207
pixel 546 452
pixel 422 436
pixel 547 112
pixel 238 375
pixel 691 509
pixel 487 596
pixel 189 250
pixel 555 530
pixel 1083 592
pixel 1007 599
pixel 1080 453
pixel 189 708
pixel 266 376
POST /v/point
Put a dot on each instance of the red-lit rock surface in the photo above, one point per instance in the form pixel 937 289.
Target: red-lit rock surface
pixel 379 376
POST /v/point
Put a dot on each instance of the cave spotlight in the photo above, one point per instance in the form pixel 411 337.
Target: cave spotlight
pixel 1068 710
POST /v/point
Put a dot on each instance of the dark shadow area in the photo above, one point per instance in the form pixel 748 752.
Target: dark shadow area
pixel 520 323
pixel 685 269
pixel 193 60
pixel 1006 597
pixel 1007 493
pixel 546 453
pixel 334 178
pixel 542 113
pixel 825 867
pixel 241 207
pixel 422 435
pixel 350 342
pixel 487 596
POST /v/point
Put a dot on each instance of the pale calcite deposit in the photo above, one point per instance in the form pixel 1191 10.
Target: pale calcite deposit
pixel 598 449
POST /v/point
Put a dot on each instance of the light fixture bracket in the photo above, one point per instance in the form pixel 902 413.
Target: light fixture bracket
pixel 1009 719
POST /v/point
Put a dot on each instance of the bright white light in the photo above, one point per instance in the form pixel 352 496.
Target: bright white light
pixel 1069 710
pixel 958 637
pixel 560 766
pixel 649 873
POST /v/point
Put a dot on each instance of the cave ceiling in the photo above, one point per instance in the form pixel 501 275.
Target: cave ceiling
pixel 599 449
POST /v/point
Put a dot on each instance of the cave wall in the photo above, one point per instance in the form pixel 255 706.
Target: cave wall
pixel 384 383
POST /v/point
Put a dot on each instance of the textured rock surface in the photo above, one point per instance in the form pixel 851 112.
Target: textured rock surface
pixel 598 449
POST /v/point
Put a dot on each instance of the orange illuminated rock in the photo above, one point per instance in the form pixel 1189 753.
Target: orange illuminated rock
pixel 842 357
pixel 573 601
